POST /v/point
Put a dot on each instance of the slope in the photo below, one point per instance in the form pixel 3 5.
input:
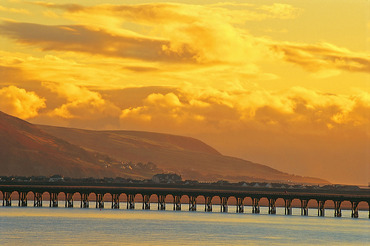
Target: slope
pixel 189 157
pixel 25 150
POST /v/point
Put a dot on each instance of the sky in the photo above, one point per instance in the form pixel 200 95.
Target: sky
pixel 284 84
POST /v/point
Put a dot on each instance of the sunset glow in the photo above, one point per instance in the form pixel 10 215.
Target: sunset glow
pixel 285 84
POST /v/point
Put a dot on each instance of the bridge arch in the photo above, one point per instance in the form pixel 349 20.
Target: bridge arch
pixel 355 206
pixel 52 196
pixel 365 206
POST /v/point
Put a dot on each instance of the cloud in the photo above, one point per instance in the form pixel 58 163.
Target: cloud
pixel 323 59
pixel 182 34
pixel 14 10
pixel 82 39
pixel 163 32
pixel 281 11
pixel 11 74
pixel 296 110
pixel 82 104
pixel 19 102
pixel 176 12
pixel 141 69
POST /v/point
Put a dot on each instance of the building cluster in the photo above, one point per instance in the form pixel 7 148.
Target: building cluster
pixel 169 178
pixel 172 178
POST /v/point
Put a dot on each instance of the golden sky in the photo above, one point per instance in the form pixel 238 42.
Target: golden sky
pixel 284 84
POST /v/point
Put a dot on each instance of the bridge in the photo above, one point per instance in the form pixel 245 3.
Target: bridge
pixel 179 192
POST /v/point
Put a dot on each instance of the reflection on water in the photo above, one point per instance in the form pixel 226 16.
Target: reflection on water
pixel 66 226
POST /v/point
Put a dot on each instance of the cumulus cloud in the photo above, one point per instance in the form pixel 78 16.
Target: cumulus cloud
pixel 19 102
pixel 81 103
pixel 297 109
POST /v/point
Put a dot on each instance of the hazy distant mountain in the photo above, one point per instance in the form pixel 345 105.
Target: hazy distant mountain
pixel 189 157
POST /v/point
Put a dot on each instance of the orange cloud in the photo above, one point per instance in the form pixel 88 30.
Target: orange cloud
pixel 179 34
pixel 82 39
pixel 281 11
pixel 296 110
pixel 14 10
pixel 184 34
pixel 19 102
pixel 176 12
pixel 323 57
pixel 82 104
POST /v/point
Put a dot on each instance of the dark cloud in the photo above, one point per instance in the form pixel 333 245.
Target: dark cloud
pixel 148 13
pixel 68 7
pixel 324 56
pixel 141 69
pixel 98 42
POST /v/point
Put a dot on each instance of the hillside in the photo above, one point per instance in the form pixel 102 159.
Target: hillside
pixel 189 157
pixel 25 150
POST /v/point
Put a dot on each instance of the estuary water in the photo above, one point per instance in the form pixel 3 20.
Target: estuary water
pixel 76 226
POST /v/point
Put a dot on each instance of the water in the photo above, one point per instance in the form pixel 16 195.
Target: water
pixel 76 226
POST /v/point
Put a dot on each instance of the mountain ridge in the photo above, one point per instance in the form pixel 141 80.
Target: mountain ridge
pixel 27 149
pixel 200 161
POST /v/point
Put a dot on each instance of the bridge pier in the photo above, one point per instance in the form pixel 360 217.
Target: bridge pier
pixel 288 206
pixel 115 201
pixel 208 204
pixel 354 213
pixel 53 199
pixel 337 210
pixel 161 202
pixel 37 200
pixel 304 207
pixel 321 208
pixel 192 203
pixel 272 206
pixel 177 203
pixel 99 200
pixel 255 205
pixel 84 200
pixel 7 199
pixel 69 200
pixel 22 201
pixel 146 202
pixel 239 205
pixel 223 204
pixel 130 201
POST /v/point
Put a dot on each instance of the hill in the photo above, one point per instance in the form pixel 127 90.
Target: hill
pixel 189 157
pixel 25 150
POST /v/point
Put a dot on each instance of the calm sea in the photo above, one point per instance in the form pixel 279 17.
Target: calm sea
pixel 76 226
